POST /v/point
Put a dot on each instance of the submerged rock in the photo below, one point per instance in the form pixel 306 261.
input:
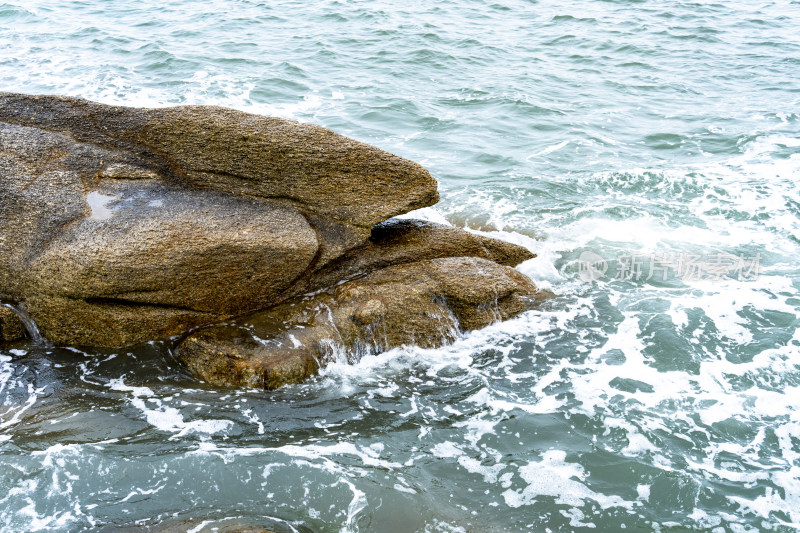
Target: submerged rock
pixel 225 525
pixel 121 225
pixel 424 303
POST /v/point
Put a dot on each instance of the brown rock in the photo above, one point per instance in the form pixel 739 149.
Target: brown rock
pixel 134 224
pixel 238 153
pixel 170 259
pixel 98 322
pixel 120 225
pixel 11 327
pixel 426 303
pixel 228 356
pixel 400 241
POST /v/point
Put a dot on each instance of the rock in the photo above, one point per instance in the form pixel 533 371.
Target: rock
pixel 400 241
pixel 227 356
pixel 425 303
pixel 168 258
pixel 120 225
pixel 11 327
pixel 272 241
pixel 75 322
pixel 237 153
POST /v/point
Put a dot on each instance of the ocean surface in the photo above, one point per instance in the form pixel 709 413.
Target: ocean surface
pixel 648 152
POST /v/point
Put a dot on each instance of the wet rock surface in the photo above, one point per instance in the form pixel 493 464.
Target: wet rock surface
pixel 424 303
pixel 121 225
pixel 399 241
pixel 11 327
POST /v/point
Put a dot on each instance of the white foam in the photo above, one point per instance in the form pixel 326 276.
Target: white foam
pixel 474 466
pixel 446 449
pixel 16 411
pixel 549 150
pixel 200 526
pixel 428 214
pixel 166 418
pixel 553 477
pixel 707 393
pixel 367 455
pixel 403 488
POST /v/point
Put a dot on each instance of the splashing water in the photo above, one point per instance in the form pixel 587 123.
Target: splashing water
pixel 30 326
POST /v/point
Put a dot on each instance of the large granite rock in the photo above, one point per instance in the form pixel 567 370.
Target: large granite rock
pixel 121 225
pixel 167 258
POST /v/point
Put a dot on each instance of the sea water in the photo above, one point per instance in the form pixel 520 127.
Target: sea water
pixel 647 151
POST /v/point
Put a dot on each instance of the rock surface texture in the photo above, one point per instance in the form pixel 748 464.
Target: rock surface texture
pixel 121 225
pixel 11 327
pixel 424 303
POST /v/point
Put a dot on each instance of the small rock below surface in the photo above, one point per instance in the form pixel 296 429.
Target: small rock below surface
pixel 198 526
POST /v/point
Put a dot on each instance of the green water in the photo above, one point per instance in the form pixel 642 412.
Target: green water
pixel 635 146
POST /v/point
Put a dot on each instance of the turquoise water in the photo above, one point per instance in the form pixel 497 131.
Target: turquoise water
pixel 648 151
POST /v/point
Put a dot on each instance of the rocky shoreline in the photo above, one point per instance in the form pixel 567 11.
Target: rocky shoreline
pixel 265 244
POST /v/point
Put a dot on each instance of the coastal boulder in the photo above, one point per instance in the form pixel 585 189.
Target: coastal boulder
pixel 120 225
pixel 269 245
pixel 237 153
